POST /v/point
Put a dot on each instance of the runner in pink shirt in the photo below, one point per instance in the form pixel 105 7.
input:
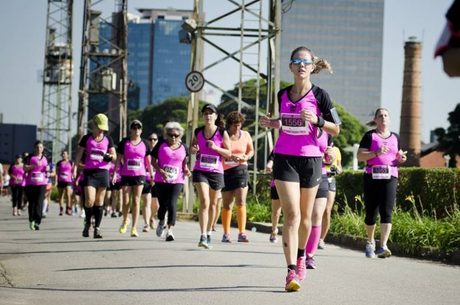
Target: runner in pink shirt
pixel 380 149
pixel 170 161
pixel 99 152
pixel 210 143
pixel 303 109
pixel 36 168
pixel 64 182
pixel 134 160
pixel 17 183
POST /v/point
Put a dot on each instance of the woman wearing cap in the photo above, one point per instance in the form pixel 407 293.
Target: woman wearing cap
pixel 36 167
pixel 64 182
pixel 99 152
pixel 149 192
pixel 236 176
pixel 379 148
pixel 134 160
pixel 210 143
pixel 303 109
pixel 17 183
pixel 170 161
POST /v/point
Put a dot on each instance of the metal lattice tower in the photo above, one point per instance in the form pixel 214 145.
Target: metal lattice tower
pixel 57 79
pixel 103 70
pixel 253 30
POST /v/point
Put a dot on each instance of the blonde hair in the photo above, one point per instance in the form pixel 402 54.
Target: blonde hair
pixel 320 63
pixel 170 126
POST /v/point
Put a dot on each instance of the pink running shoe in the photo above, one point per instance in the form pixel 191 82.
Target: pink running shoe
pixel 292 282
pixel 301 268
pixel 310 262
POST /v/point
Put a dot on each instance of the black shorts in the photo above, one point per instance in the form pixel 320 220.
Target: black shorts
pixel 116 186
pixel 154 191
pixel 323 188
pixel 274 193
pixel 214 180
pixel 132 180
pixel 147 188
pixel 332 184
pixel 61 185
pixel 304 170
pixel 235 178
pixel 96 178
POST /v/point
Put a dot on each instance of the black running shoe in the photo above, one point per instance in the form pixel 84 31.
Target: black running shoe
pixel 97 233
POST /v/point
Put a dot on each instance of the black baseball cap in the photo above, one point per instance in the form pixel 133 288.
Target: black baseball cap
pixel 209 107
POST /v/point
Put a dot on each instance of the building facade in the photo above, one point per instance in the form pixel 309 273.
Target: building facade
pixel 157 62
pixel 349 35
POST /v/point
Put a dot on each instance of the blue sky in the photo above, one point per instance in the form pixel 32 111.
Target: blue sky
pixel 23 44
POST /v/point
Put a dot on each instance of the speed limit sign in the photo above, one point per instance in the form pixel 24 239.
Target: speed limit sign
pixel 194 81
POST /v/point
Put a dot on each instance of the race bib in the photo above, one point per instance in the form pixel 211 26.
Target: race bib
pixel 133 164
pixel 231 162
pixel 209 161
pixel 380 172
pixel 171 172
pixel 37 177
pixel 293 124
pixel 18 180
pixel 96 155
pixel 63 176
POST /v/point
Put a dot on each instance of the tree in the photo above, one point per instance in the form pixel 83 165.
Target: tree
pixel 449 140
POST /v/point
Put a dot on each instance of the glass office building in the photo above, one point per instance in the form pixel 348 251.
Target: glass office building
pixel 349 34
pixel 157 62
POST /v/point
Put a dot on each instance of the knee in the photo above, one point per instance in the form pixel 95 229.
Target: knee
pixel 292 218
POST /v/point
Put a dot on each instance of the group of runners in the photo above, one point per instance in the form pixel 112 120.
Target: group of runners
pixel 303 162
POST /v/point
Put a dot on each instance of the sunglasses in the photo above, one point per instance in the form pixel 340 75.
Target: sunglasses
pixel 136 127
pixel 298 61
pixel 153 139
pixel 173 135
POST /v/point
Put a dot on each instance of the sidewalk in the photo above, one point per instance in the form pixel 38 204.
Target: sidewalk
pixel 57 266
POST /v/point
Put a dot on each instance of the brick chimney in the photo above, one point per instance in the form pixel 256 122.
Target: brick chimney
pixel 410 135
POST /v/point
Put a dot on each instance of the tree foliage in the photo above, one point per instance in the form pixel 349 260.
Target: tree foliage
pixel 449 140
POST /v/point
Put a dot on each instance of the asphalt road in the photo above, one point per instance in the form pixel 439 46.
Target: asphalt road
pixel 57 266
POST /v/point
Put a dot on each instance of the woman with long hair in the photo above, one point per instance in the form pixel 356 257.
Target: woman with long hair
pixel 64 182
pixel 17 183
pixel 303 108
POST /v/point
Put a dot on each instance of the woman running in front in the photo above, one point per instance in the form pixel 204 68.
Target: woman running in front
pixel 99 151
pixel 170 161
pixel 211 143
pixel 36 168
pixel 303 109
pixel 64 183
pixel 380 149
pixel 134 159
pixel 236 176
pixel 17 183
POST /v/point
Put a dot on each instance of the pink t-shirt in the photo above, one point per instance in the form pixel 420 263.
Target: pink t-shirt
pixel 372 141
pixel 17 174
pixel 37 175
pixel 134 157
pixel 207 159
pixel 64 171
pixel 95 151
pixel 298 137
pixel 171 161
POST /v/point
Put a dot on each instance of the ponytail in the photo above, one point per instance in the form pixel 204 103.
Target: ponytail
pixel 320 64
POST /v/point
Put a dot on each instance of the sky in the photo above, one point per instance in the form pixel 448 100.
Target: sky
pixel 23 24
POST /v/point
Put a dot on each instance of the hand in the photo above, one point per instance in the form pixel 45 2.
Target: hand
pixel 114 179
pixel 309 116
pixel 210 144
pixel 164 174
pixel 265 122
pixel 269 167
pixel 194 149
pixel 401 156
pixel 187 172
pixel 382 150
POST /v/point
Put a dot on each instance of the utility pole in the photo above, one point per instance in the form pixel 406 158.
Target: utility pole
pixel 56 113
pixel 103 71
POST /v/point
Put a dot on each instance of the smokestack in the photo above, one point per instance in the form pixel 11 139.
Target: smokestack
pixel 410 137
